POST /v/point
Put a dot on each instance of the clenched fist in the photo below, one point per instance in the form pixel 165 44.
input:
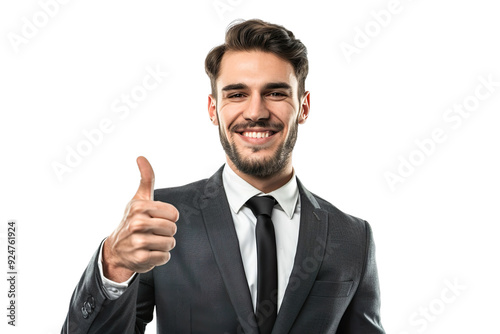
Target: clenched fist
pixel 145 235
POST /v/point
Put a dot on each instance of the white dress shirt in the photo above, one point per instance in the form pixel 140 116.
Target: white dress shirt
pixel 286 221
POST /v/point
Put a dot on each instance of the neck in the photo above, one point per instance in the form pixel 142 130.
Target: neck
pixel 268 183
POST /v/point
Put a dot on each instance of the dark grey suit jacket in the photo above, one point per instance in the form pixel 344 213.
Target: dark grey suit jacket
pixel 333 287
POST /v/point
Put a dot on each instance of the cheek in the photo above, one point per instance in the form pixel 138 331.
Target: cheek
pixel 288 117
pixel 223 125
pixel 227 117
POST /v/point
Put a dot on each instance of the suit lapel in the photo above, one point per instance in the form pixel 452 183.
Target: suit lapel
pixel 309 256
pixel 224 242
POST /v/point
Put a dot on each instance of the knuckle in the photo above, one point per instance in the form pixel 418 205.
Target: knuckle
pixel 142 257
pixel 169 244
pixel 174 229
pixel 166 258
pixel 136 226
pixel 137 206
pixel 140 242
pixel 175 213
pixel 159 259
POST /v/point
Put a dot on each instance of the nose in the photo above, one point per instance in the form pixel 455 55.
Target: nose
pixel 256 109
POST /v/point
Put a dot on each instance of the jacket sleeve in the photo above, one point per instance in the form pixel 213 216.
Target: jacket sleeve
pixel 90 311
pixel 363 313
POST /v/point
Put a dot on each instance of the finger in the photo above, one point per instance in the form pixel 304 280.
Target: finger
pixel 165 211
pixel 156 243
pixel 158 258
pixel 146 225
pixel 158 226
pixel 154 209
pixel 146 260
pixel 164 227
pixel 146 187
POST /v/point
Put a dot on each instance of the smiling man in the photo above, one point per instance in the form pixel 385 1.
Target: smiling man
pixel 255 251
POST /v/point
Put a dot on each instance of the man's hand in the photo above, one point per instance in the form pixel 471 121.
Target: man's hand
pixel 144 237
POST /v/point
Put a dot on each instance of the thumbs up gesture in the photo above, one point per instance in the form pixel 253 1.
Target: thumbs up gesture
pixel 144 237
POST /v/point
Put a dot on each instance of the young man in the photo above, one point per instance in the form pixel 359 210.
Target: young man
pixel 286 262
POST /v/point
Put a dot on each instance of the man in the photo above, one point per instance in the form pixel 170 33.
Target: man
pixel 302 266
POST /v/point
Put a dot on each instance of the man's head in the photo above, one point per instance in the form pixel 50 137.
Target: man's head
pixel 257 35
pixel 257 100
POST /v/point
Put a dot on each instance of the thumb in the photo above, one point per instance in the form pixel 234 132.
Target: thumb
pixel 146 187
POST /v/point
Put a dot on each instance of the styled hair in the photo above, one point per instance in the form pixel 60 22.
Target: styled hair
pixel 257 35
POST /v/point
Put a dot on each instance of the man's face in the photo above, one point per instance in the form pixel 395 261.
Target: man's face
pixel 257 111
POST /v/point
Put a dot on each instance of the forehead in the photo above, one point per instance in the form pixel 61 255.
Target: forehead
pixel 254 68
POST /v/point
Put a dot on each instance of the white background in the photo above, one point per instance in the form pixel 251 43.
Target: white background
pixel 437 226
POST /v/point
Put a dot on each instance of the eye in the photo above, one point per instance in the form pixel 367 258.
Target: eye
pixel 277 95
pixel 235 96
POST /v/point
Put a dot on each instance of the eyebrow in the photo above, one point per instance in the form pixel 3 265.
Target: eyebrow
pixel 234 87
pixel 271 85
pixel 278 85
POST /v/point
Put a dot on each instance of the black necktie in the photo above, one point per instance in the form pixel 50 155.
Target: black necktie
pixel 267 264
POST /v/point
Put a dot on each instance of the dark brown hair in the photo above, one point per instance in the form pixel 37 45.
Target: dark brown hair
pixel 257 35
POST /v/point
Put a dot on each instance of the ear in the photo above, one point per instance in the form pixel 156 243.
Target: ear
pixel 304 108
pixel 212 109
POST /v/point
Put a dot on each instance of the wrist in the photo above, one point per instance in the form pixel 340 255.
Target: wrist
pixel 112 271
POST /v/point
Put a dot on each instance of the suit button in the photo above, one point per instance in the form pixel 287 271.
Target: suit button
pixel 85 313
pixel 87 307
pixel 91 301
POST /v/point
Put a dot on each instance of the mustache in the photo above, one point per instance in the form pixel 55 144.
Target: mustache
pixel 240 127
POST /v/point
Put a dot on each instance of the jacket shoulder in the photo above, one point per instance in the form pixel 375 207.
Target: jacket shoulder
pixel 343 225
pixel 181 193
pixel 336 212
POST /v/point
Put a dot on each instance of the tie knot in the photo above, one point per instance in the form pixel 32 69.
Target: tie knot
pixel 261 205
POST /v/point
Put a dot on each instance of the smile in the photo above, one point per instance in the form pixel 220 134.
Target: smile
pixel 257 134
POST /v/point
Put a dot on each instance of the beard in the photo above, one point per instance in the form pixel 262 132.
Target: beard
pixel 260 167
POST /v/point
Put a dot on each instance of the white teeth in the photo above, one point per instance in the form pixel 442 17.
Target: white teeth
pixel 256 134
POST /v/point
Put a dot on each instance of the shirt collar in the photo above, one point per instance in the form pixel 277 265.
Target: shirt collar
pixel 239 191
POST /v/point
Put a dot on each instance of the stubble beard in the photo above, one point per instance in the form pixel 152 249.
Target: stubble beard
pixel 261 167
